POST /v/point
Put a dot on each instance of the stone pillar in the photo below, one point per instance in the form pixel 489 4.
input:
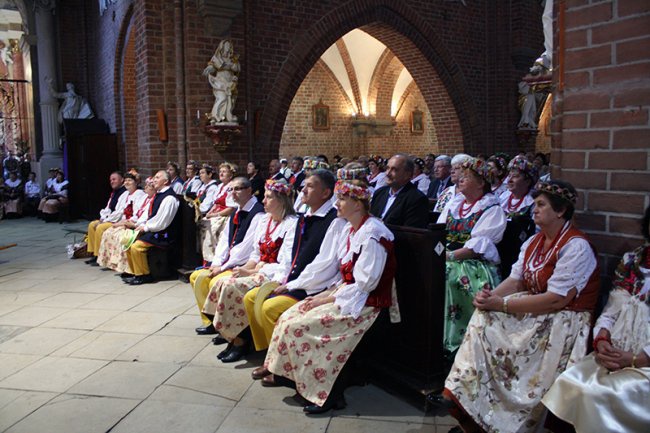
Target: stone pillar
pixel 46 50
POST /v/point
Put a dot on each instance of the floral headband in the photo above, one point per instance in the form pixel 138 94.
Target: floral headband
pixel 357 192
pixel 314 164
pixel 500 162
pixel 352 173
pixel 378 160
pixel 208 168
pixel 525 167
pixel 479 167
pixel 557 190
pixel 278 187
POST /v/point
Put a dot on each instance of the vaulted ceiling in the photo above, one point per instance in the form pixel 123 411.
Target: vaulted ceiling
pixel 363 66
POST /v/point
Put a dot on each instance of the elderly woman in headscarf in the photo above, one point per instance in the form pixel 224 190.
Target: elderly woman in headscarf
pixel 529 329
pixel 609 391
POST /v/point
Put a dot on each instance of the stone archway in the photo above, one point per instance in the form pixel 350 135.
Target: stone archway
pixel 126 113
pixel 413 42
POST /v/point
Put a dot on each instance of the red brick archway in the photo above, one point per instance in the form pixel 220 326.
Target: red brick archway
pixel 125 95
pixel 416 45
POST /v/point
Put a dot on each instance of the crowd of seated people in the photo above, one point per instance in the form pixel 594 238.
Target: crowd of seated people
pixel 302 270
pixel 24 196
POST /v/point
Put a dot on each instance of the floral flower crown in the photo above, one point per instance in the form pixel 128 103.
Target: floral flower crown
pixel 557 190
pixel 278 187
pixel 378 160
pixel 314 164
pixel 357 192
pixel 208 168
pixel 523 165
pixel 500 161
pixel 352 173
pixel 479 167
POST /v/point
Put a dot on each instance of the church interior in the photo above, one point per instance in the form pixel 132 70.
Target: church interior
pixel 568 79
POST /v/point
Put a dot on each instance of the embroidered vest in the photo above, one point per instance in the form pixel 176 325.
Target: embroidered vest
pixel 459 230
pixel 536 280
pixel 167 236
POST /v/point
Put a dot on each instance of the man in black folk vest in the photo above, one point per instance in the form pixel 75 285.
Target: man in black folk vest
pixel 160 229
pixel 315 233
pixel 97 228
pixel 400 202
pixel 233 249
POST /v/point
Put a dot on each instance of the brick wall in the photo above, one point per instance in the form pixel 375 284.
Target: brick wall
pixel 601 125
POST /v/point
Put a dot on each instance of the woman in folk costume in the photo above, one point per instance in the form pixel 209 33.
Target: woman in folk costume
pixel 529 329
pixel 192 180
pixel 272 246
pixel 206 194
pixel 475 224
pixel 212 224
pixel 111 254
pixel 517 202
pixel 377 175
pixel 609 390
pixel 499 173
pixel 313 340
pixel 58 197
pixel 13 196
pixel 451 191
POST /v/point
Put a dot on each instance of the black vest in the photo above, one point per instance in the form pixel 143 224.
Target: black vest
pixel 237 233
pixel 167 236
pixel 310 232
pixel 115 197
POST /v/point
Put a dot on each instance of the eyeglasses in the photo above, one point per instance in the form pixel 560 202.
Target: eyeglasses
pixel 237 188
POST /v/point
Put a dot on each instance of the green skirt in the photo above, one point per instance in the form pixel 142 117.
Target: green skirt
pixel 465 278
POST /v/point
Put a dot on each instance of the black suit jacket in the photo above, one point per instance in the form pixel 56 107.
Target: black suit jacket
pixel 410 208
pixel 433 188
pixel 298 182
pixel 278 176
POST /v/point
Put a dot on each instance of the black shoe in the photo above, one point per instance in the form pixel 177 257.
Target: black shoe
pixel 439 405
pixel 225 351
pixel 219 340
pixel 94 263
pixel 91 260
pixel 128 280
pixel 206 330
pixel 125 275
pixel 141 279
pixel 314 409
pixel 235 353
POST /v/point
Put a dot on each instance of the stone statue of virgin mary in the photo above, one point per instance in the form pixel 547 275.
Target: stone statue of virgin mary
pixel 222 72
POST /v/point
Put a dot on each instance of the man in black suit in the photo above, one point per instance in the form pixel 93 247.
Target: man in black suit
pixel 400 202
pixel 441 175
pixel 297 177
pixel 274 170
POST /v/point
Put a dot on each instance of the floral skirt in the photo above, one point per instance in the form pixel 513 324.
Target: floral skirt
pixel 312 347
pixel 226 302
pixel 464 279
pixel 209 231
pixel 110 254
pixel 507 363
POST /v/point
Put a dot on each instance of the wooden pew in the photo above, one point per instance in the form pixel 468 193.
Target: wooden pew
pixel 190 255
pixel 407 357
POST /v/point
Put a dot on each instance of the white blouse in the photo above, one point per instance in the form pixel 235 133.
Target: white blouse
pixel 210 196
pixel 488 230
pixel 576 263
pixel 501 189
pixel 367 270
pixel 123 201
pixel 59 188
pixel 32 189
pixel 323 271
pixel 285 231
pixel 527 201
pixel 422 181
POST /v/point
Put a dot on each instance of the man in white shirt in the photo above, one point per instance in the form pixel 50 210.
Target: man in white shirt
pixel 159 230
pixel 97 228
pixel 234 246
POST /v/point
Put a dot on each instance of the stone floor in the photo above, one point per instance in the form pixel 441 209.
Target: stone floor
pixel 82 352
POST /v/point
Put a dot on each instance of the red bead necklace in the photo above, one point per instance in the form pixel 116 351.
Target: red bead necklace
pixel 513 207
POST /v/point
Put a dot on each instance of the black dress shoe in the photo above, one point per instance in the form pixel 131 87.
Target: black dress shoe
pixel 125 275
pixel 219 340
pixel 206 330
pixel 235 353
pixel 128 280
pixel 336 404
pixel 91 260
pixel 94 263
pixel 439 405
pixel 141 279
pixel 225 351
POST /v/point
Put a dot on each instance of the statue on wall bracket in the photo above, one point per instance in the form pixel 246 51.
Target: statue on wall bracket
pixel 222 72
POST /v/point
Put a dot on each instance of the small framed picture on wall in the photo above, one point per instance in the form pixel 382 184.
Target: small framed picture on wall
pixel 417 122
pixel 320 116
